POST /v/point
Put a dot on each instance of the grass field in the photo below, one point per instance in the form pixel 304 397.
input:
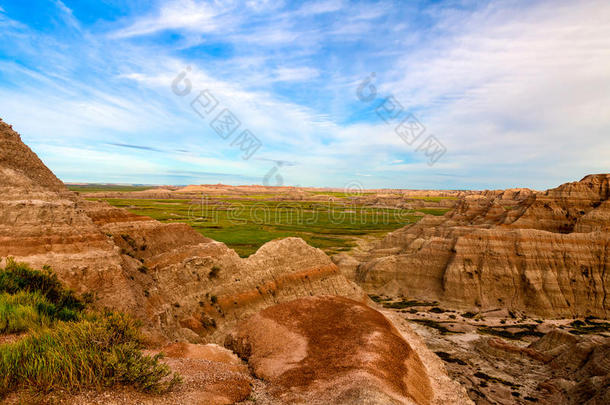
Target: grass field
pixel 245 224
pixel 101 188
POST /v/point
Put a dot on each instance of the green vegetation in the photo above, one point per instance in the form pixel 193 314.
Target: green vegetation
pixel 25 311
pixel 105 188
pixel 589 325
pixel 245 224
pixel 65 346
pixel 527 330
pixel 434 211
pixel 449 359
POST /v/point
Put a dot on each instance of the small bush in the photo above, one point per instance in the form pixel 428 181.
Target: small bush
pixel 214 272
pixel 19 313
pixel 17 277
pixel 469 315
pixel 67 348
pixel 97 352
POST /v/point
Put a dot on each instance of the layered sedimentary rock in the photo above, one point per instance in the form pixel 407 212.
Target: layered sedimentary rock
pixel 42 221
pixel 179 283
pixel 332 350
pixel 544 253
pixel 581 368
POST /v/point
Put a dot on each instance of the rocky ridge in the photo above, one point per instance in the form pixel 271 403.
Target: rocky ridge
pixel 179 283
pixel 543 253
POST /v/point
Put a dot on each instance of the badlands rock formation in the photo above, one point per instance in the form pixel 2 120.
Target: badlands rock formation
pixel 543 253
pixel 581 368
pixel 179 283
pixel 333 350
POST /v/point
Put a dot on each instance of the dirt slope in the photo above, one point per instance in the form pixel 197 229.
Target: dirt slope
pixel 332 350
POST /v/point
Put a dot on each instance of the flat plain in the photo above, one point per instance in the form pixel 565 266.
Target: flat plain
pixel 330 220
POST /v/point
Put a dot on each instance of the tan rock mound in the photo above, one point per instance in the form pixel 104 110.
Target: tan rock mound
pixel 331 350
pixel 543 253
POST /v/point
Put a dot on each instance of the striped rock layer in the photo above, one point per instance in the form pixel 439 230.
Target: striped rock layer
pixel 181 284
pixel 543 253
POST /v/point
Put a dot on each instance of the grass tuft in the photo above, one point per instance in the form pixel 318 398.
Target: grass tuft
pixel 67 347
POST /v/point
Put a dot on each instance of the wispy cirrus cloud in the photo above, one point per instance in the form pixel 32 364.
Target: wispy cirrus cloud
pixel 188 15
pixel 516 90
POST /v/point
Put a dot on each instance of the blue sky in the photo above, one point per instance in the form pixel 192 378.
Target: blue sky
pixel 517 92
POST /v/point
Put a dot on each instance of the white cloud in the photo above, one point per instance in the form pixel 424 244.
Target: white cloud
pixel 512 92
pixel 320 7
pixel 516 88
pixel 300 74
pixel 178 14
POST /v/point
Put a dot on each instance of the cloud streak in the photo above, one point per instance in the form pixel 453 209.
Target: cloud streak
pixel 517 91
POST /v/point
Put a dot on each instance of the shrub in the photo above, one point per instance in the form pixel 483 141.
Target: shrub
pixel 98 352
pixel 214 272
pixel 18 277
pixel 24 311
pixel 66 347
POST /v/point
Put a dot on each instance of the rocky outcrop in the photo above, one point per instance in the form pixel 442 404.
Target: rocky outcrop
pixel 332 350
pixel 45 224
pixel 181 284
pixel 581 368
pixel 544 253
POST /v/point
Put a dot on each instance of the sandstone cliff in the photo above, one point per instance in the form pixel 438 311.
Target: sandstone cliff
pixel 179 283
pixel 544 253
